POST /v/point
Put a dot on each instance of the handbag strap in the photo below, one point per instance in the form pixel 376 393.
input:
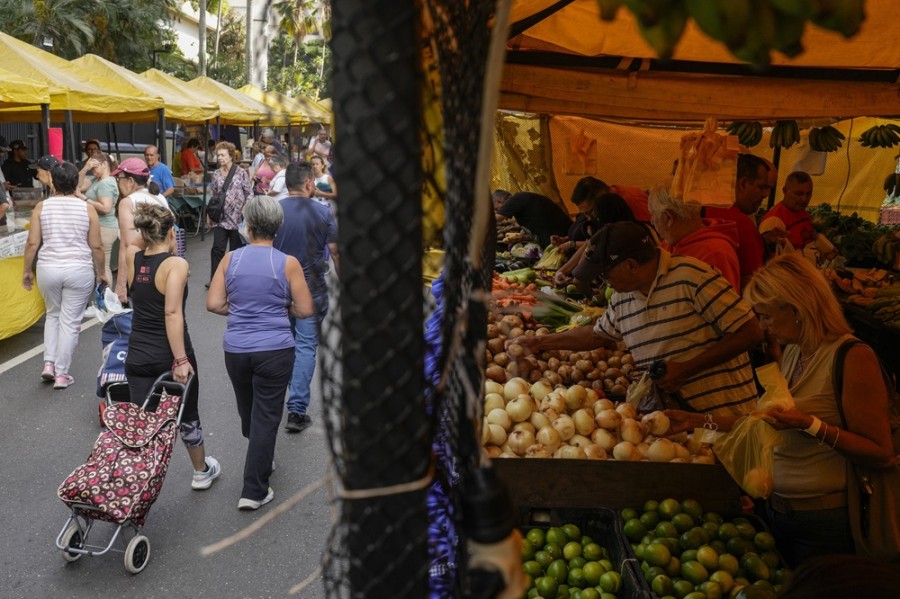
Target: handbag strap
pixel 837 374
pixel 228 179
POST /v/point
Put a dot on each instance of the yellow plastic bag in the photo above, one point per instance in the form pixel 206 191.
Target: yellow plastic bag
pixel 748 453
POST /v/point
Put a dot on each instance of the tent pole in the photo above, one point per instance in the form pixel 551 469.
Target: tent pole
pixel 776 158
pixel 161 135
pixel 115 136
pixel 290 145
pixel 44 141
pixel 203 207
pixel 70 134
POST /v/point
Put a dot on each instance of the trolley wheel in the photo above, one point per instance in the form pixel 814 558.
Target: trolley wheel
pixel 137 554
pixel 101 407
pixel 73 537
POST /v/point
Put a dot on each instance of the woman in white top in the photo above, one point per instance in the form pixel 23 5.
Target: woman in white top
pixel 277 186
pixel 71 261
pixel 103 194
pixel 325 190
pixel 133 178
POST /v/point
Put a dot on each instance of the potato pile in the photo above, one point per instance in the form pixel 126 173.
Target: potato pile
pixel 539 420
pixel 604 371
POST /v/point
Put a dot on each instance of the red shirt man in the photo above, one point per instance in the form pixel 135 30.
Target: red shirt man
pixel 798 227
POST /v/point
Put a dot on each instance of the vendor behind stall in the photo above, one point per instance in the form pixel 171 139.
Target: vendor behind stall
pixel 537 213
pixel 789 221
pixel 668 308
pixel 16 167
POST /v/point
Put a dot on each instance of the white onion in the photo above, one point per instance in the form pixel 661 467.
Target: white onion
pixel 604 439
pixel 626 452
pixel 590 397
pixel 580 441
pixel 524 426
pixel 656 423
pixel 519 441
pixel 540 390
pixel 500 417
pixel 485 431
pixel 681 451
pixel 538 451
pixel 575 396
pixel 626 410
pixel 550 414
pixel 584 421
pixel 595 452
pixel 554 401
pixel 492 387
pixel 662 450
pixel 497 434
pixel 757 482
pixel 493 451
pixel 549 438
pixel 568 452
pixel 492 401
pixel 703 459
pixel 608 419
pixel 643 448
pixel 507 454
pixel 565 427
pixel 519 409
pixel 603 404
pixel 630 430
pixel 515 387
pixel 538 420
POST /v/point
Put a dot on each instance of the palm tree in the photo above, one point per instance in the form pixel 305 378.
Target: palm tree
pixel 301 18
pixel 63 25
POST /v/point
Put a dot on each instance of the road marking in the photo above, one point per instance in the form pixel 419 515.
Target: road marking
pixel 24 357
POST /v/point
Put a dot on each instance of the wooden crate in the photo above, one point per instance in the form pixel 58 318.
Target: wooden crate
pixel 613 484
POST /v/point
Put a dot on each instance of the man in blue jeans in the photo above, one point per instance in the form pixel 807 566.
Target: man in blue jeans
pixel 309 228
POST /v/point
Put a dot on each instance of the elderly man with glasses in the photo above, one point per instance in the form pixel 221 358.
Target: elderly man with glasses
pixel 159 172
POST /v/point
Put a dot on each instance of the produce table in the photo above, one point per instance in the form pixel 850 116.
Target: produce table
pixel 190 205
pixel 21 308
pixel 613 484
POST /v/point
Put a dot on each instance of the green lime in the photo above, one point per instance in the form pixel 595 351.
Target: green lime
pixel 673 568
pixel 554 550
pixel 719 546
pixel 634 529
pixel 691 539
pixel 725 580
pixel 669 507
pixel 536 537
pixel 576 578
pixel 746 530
pixel 682 522
pixel 657 554
pixel 533 568
pixel 703 534
pixel 781 576
pixel 756 568
pixel 628 513
pixel 607 565
pixel 713 517
pixel 592 573
pixel 765 584
pixel 662 585
pixel 651 506
pixel 712 589
pixel 681 588
pixel 586 540
pixel 672 544
pixel 738 546
pixel 693 508
pixel 574 593
pixel 590 593
pixel 764 541
pixel 572 550
pixel 648 538
pixel 688 555
pixel 666 529
pixel 695 595
pixel 543 558
pixel 572 532
pixel 527 550
pixel 650 519
pixel 533 593
pixel 708 556
pixel 611 582
pixel 712 529
pixel 592 552
pixel 546 586
pixel 728 531
pixel 605 595
pixel 558 570
pixel 556 536
pixel 770 558
pixel 652 572
pixel 694 572
pixel 577 562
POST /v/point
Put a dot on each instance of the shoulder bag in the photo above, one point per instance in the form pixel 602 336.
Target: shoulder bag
pixel 873 494
pixel 215 209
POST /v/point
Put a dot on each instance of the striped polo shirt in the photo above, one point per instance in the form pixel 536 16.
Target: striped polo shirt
pixel 64 232
pixel 689 308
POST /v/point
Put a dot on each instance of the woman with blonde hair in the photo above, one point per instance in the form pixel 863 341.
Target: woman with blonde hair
pixel 159 341
pixel 829 427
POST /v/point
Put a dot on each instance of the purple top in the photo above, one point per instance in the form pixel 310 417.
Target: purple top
pixel 258 299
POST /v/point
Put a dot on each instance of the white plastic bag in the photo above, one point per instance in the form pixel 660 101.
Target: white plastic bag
pixel 109 306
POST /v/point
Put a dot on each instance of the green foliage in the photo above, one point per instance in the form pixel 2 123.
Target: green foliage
pixel 300 70
pixel 230 66
pixel 853 235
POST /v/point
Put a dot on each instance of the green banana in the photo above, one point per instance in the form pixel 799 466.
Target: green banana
pixel 788 33
pixel 814 142
pixel 760 34
pixel 794 8
pixel 843 16
pixel 665 33
pixel 608 9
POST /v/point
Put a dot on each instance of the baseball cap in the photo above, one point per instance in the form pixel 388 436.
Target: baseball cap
pixel 612 245
pixel 132 166
pixel 4 145
pixel 46 162
pixel 17 144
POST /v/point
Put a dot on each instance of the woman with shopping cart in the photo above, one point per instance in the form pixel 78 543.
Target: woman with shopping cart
pixel 159 341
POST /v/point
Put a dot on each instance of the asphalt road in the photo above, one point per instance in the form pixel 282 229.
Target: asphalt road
pixel 45 434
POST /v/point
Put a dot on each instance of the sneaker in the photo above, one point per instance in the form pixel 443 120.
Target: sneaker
pixel 252 504
pixel 48 374
pixel 297 422
pixel 204 480
pixel 62 381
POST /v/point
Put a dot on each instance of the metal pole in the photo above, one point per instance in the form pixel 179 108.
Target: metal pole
pixel 776 158
pixel 115 136
pixel 45 129
pixel 70 138
pixel 205 179
pixel 374 276
pixel 161 135
pixel 249 31
pixel 201 38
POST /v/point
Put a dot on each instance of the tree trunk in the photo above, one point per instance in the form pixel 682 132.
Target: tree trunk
pixel 218 29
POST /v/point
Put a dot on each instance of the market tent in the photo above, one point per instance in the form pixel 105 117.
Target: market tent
pixel 179 105
pixel 562 59
pixel 326 107
pixel 88 96
pixel 301 110
pixel 167 84
pixel 236 108
pixel 17 91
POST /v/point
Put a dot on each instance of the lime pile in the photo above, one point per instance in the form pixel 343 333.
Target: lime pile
pixel 687 553
pixel 562 563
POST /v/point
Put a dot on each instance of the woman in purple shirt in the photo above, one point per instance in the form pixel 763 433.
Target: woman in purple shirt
pixel 259 288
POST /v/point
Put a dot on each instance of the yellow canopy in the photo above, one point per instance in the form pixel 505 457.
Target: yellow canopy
pixel 301 110
pixel 326 107
pixel 236 108
pixel 168 83
pixel 16 91
pixel 90 96
pixel 571 62
pixel 179 105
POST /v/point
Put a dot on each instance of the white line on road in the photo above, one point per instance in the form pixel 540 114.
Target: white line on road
pixel 24 357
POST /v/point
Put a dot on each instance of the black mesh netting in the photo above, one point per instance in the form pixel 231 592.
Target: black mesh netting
pixel 401 393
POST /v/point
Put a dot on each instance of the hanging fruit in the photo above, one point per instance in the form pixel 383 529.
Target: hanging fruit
pixel 784 134
pixel 825 139
pixel 880 136
pixel 749 133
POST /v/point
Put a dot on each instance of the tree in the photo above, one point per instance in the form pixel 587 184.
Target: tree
pixel 127 31
pixel 232 43
pixel 307 75
pixel 62 26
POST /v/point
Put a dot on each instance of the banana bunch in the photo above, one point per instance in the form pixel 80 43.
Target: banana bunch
pixel 750 29
pixel 880 136
pixel 784 134
pixel 825 139
pixel 892 185
pixel 885 251
pixel 749 133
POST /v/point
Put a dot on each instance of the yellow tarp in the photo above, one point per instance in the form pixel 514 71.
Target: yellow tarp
pixel 169 84
pixel 180 107
pixel 90 96
pixel 236 108
pixel 302 111
pixel 18 91
pixel 21 308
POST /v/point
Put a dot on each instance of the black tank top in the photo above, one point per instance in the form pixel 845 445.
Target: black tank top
pixel 148 343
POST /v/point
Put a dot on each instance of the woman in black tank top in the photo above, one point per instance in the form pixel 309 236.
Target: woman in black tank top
pixel 154 348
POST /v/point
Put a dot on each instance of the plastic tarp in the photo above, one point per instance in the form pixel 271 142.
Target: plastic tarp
pixel 301 110
pixel 169 84
pixel 236 108
pixel 18 91
pixel 21 308
pixel 179 105
pixel 635 91
pixel 89 95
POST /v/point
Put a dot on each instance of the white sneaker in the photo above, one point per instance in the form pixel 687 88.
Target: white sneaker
pixel 252 504
pixel 204 480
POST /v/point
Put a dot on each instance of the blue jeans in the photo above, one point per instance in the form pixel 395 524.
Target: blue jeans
pixel 306 338
pixel 802 535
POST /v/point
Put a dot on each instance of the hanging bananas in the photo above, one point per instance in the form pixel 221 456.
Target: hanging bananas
pixel 749 133
pixel 825 139
pixel 784 134
pixel 750 29
pixel 880 136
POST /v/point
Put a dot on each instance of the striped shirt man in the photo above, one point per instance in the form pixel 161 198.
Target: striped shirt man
pixel 689 307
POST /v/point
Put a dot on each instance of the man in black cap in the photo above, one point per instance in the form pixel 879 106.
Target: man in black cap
pixel 42 168
pixel 671 309
pixel 16 167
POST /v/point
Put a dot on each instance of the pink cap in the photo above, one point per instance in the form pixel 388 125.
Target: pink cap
pixel 132 166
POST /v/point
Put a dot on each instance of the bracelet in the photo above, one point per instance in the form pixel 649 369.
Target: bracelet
pixel 824 434
pixel 836 437
pixel 709 423
pixel 179 361
pixel 813 429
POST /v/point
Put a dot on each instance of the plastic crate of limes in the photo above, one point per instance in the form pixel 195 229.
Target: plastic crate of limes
pixel 687 553
pixel 578 554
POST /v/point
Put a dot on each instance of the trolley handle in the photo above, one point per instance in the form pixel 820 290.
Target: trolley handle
pixel 166 381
